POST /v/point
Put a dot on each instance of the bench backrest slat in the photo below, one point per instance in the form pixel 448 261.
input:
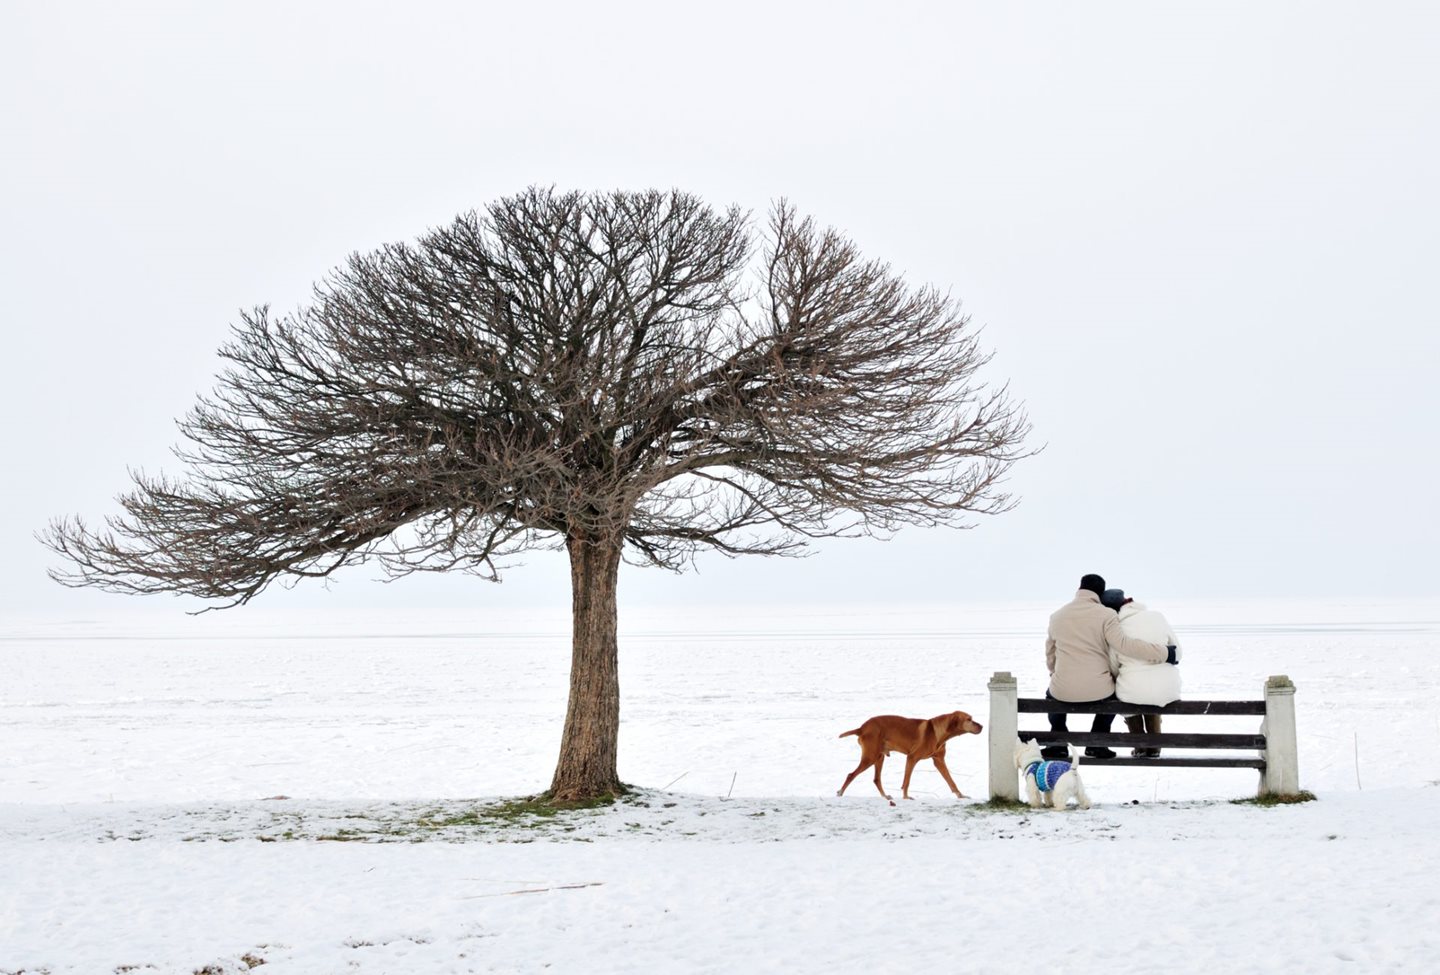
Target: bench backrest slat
pixel 1173 762
pixel 1125 739
pixel 1040 705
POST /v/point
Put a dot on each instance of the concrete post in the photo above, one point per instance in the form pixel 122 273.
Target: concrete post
pixel 1282 761
pixel 1004 727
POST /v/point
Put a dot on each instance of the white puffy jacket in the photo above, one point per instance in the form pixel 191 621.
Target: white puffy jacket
pixel 1139 682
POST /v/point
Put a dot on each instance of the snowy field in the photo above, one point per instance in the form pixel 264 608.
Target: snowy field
pixel 325 792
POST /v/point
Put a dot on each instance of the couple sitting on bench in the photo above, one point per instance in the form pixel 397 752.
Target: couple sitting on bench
pixel 1103 646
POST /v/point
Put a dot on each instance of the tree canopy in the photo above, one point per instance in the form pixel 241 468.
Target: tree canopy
pixel 568 363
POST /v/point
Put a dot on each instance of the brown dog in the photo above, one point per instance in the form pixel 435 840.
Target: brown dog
pixel 917 738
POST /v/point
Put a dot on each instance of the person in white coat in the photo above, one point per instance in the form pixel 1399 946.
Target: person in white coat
pixel 1139 681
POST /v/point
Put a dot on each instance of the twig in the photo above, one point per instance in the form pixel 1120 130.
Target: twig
pixel 674 780
pixel 535 890
pixel 732 785
pixel 1357 762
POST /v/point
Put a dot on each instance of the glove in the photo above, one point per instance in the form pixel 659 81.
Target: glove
pixel 1170 657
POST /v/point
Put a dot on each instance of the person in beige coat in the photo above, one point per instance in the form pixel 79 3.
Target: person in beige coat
pixel 1082 635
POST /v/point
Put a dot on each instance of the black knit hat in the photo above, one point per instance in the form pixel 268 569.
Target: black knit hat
pixel 1092 582
pixel 1114 598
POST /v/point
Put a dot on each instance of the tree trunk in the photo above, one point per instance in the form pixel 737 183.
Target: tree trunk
pixel 590 742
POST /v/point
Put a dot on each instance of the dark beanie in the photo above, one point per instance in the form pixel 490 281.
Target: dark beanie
pixel 1092 582
pixel 1114 598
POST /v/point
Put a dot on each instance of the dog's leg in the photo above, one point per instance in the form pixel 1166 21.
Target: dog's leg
pixel 910 761
pixel 879 765
pixel 864 764
pixel 1080 793
pixel 940 764
pixel 1060 795
pixel 1033 793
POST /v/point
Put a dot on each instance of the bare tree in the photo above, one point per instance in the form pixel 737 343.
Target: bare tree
pixel 615 373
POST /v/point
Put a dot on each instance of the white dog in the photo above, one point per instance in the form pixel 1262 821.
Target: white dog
pixel 1052 782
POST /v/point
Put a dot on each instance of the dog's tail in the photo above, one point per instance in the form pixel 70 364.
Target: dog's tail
pixel 1074 757
pixel 847 734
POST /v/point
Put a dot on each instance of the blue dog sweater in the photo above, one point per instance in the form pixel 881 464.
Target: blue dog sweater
pixel 1047 773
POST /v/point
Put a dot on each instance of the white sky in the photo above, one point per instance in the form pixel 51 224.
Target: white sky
pixel 1202 242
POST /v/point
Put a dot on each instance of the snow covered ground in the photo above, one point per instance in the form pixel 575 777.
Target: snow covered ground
pixel 140 756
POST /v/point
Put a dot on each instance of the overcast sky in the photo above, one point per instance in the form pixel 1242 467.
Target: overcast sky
pixel 1202 243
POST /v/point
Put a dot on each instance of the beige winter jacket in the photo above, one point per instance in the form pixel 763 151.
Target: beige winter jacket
pixel 1077 651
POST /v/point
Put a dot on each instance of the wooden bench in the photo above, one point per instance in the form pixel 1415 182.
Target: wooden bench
pixel 1271 752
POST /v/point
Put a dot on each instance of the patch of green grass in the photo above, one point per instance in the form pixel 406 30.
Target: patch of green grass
pixel 1272 799
pixel 503 819
pixel 530 812
pixel 344 836
pixel 1002 804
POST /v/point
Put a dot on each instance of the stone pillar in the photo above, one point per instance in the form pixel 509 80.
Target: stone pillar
pixel 1004 729
pixel 1282 761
